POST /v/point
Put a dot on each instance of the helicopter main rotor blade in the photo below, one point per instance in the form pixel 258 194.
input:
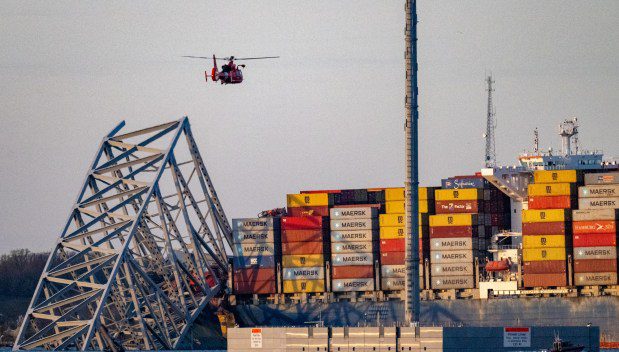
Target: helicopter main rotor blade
pixel 256 58
pixel 197 57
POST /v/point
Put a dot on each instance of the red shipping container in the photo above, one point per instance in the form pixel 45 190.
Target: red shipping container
pixel 544 228
pixel 392 258
pixel 456 206
pixel 595 240
pixel 544 280
pixel 595 266
pixel 308 211
pixel 302 235
pixel 544 267
pixel 395 245
pixel 261 287
pixel 254 274
pixel 453 231
pixel 292 248
pixel 550 202
pixel 594 227
pixel 352 272
pixel 302 222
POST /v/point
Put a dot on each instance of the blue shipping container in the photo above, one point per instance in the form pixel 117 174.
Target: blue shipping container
pixel 457 183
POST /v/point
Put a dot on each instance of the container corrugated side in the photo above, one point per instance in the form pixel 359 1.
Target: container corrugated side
pixel 250 275
pixel 547 215
pixel 459 194
pixel 450 282
pixel 544 280
pixel 302 222
pixel 262 236
pixel 311 235
pixel 601 226
pixel 598 203
pixel 306 273
pixel 352 247
pixel 392 258
pixel 356 284
pixel 595 253
pixel 352 259
pixel 255 287
pixel 293 248
pixel 397 245
pixel 454 220
pixel 456 231
pixel 551 202
pixel 444 244
pixel 442 257
pixel 308 211
pixel 454 269
pixel 255 224
pixel 353 213
pixel 551 189
pixel 393 284
pixel 309 199
pixel 598 191
pixel 398 232
pixel 391 271
pixel 544 266
pixel 253 249
pixel 541 254
pixel 544 228
pixel 595 265
pixel 595 240
pixel 399 220
pixel 254 262
pixel 352 271
pixel 594 279
pixel 543 241
pixel 354 224
pixel 457 206
pixel 292 261
pixel 293 286
pixel 602 178
pixel 557 176
pixel 353 236
pixel 595 214
pixel 464 182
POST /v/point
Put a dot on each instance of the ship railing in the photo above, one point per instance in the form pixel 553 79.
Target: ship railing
pixel 504 246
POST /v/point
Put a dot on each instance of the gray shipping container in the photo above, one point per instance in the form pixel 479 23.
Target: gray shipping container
pixel 395 284
pixel 448 282
pixel 253 249
pixel 255 224
pixel 441 257
pixel 363 284
pixel 595 214
pixel 602 178
pixel 353 213
pixel 454 269
pixel 594 279
pixel 307 273
pixel 352 236
pixel 262 236
pixel 354 224
pixel 595 252
pixel 447 244
pixel 351 247
pixel 393 271
pixel 598 203
pixel 353 259
pixel 598 191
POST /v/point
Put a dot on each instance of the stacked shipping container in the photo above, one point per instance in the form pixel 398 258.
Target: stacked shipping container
pixel 595 231
pixel 255 249
pixel 546 227
pixel 353 235
pixel 304 242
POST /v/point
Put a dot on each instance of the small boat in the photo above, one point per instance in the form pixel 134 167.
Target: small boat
pixel 565 346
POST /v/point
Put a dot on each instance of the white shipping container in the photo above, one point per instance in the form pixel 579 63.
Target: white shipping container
pixel 353 213
pixel 253 249
pixel 441 257
pixel 354 224
pixel 598 191
pixel 449 282
pixel 344 285
pixel 306 273
pixel 595 214
pixel 352 236
pixel 598 203
pixel 254 224
pixel 395 284
pixel 352 259
pixel 460 243
pixel 393 271
pixel 455 269
pixel 260 236
pixel 352 247
pixel 595 253
pixel 602 178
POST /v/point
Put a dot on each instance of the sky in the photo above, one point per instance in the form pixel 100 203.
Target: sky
pixel 328 114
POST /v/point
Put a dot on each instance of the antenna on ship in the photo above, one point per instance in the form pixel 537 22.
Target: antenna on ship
pixel 412 170
pixel 490 127
pixel 567 130
pixel 535 141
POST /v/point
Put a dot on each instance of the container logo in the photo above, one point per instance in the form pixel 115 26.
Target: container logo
pixel 306 199
pixel 543 241
pixel 302 260
pixel 456 194
pixel 548 189
pixel 544 253
pixel 542 215
pixel 450 220
pixel 303 285
pixel 555 176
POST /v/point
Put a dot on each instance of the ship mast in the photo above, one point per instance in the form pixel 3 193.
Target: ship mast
pixel 412 171
pixel 490 127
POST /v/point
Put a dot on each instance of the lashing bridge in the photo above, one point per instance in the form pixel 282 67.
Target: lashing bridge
pixel 142 252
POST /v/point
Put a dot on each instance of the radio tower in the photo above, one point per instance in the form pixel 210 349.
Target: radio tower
pixel 490 127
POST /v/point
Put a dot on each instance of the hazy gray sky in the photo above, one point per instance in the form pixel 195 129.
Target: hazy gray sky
pixel 328 114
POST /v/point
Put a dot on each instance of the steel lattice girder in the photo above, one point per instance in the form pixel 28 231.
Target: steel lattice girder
pixel 142 253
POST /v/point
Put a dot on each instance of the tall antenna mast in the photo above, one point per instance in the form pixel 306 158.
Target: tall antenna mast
pixel 412 170
pixel 490 127
pixel 535 141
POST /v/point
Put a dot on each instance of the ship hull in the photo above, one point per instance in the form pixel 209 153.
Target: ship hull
pixel 599 311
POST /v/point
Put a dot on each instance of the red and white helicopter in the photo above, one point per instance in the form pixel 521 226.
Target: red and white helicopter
pixel 230 73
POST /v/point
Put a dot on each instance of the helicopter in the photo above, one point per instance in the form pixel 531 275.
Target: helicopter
pixel 230 73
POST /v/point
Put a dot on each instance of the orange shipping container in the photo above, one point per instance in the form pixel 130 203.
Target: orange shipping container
pixel 293 248
pixel 352 272
pixel 582 227
pixel 548 202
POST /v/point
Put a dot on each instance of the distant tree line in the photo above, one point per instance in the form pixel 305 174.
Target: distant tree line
pixel 19 272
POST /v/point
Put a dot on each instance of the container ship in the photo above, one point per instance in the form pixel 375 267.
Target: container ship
pixel 532 244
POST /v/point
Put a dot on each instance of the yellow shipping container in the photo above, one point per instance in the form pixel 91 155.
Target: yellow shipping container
pixel 543 241
pixel 540 254
pixel 301 260
pixel 399 206
pixel 308 199
pixel 557 176
pixel 399 219
pixel 546 215
pixel 392 194
pixel 395 207
pixel 291 286
pixel 551 189
pixel 453 220
pixel 397 232
pixel 459 194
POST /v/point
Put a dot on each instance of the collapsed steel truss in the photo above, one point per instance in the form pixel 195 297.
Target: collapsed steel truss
pixel 140 256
